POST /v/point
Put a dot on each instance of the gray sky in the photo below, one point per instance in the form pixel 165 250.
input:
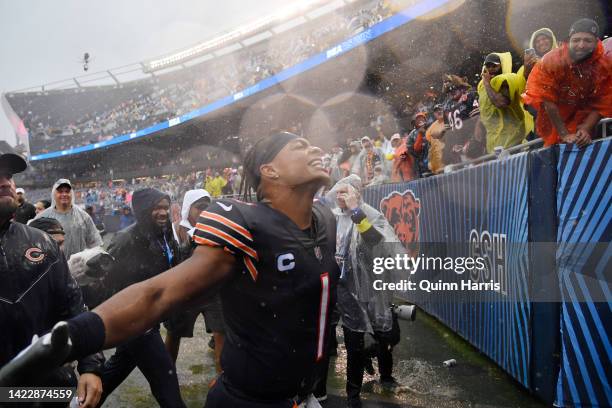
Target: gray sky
pixel 42 41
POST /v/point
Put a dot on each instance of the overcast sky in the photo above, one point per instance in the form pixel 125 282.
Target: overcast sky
pixel 42 41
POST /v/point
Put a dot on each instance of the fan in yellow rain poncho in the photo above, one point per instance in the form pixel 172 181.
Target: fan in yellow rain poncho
pixel 501 109
pixel 542 41
pixel 215 185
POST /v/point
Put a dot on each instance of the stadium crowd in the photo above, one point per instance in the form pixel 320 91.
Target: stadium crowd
pixel 58 120
pixel 459 123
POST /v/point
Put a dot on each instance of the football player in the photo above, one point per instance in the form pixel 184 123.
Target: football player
pixel 274 261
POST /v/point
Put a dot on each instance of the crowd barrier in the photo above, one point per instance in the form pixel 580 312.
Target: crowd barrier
pixel 542 218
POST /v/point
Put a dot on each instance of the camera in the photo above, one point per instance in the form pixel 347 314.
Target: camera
pixel 404 312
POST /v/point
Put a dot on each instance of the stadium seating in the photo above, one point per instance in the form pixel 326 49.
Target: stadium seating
pixel 68 118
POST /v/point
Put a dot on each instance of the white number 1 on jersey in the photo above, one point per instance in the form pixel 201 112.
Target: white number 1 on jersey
pixel 322 320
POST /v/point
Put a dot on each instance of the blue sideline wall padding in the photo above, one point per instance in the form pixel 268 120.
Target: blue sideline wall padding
pixel 446 210
pixel 543 272
pixel 584 198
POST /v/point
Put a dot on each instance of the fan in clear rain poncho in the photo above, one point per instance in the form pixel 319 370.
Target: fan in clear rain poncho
pixel 363 234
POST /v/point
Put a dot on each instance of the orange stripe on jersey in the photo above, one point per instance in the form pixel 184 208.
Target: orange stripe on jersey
pixel 228 223
pixel 251 267
pixel 204 241
pixel 227 238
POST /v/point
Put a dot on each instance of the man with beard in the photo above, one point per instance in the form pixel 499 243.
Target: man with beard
pixel 141 251
pixel 26 211
pixel 571 88
pixel 37 291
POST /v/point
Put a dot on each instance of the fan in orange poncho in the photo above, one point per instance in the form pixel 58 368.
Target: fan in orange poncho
pixel 571 88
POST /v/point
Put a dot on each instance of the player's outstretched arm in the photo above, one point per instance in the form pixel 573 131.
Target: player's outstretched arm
pixel 138 307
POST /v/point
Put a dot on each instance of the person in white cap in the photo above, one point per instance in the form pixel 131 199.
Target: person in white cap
pixel 81 232
pixel 26 211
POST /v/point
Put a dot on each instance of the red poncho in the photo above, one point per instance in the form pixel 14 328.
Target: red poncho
pixel 576 89
pixel 403 164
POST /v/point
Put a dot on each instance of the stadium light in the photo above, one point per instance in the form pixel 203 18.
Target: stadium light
pixel 292 10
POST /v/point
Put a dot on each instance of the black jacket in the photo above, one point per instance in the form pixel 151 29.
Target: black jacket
pixel 25 212
pixel 36 291
pixel 140 250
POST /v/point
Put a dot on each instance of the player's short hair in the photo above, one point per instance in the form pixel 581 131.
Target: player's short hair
pixel 264 151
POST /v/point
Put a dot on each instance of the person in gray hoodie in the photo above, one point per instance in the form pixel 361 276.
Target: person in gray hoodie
pixel 81 233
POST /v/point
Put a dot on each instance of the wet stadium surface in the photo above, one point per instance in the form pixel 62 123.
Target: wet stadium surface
pixel 424 382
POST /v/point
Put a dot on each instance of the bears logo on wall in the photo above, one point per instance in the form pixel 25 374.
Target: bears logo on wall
pixel 402 211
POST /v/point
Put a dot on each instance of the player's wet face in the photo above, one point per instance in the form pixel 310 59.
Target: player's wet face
pixel 161 212
pixel 300 163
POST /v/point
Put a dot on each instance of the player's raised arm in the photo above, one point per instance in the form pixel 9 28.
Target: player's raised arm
pixel 140 306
